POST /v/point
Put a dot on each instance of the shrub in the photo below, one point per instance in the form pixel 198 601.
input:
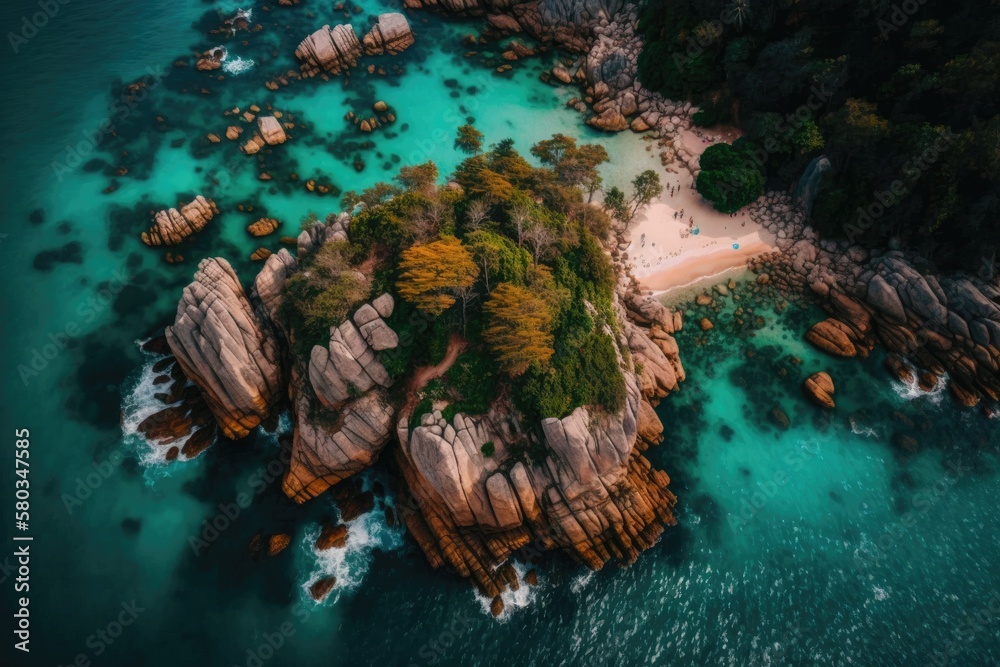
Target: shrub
pixel 730 178
pixel 323 292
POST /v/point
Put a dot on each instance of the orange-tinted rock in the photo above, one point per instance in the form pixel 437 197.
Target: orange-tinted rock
pixel 278 543
pixel 263 227
pixel 332 537
pixel 199 441
pixel 322 587
pixel 819 388
pixel 832 337
pixel 171 226
pixel 496 606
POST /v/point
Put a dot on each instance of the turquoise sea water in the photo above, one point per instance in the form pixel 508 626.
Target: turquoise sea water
pixel 820 544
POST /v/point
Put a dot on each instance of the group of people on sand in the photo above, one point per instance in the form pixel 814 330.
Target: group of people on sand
pixel 705 139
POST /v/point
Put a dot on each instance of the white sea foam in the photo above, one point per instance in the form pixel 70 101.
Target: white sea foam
pixel 580 581
pixel 236 65
pixel 139 402
pixel 866 431
pixel 512 600
pixel 911 390
pixel 365 534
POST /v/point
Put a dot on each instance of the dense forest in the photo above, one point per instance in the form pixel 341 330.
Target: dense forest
pixel 506 263
pixel 900 98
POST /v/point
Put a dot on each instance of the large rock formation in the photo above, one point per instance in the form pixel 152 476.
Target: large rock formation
pixel 330 448
pixel 473 490
pixel 943 325
pixel 332 50
pixel 171 226
pixel 271 130
pixel 392 34
pixel 337 49
pixel 224 348
pixel 594 495
pixel 343 430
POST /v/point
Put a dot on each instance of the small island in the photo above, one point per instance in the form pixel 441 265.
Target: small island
pixel 478 333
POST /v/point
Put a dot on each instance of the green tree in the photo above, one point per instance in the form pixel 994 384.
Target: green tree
pixel 729 177
pixel 499 258
pixel 420 177
pixel 645 188
pixel 322 294
pixel 469 140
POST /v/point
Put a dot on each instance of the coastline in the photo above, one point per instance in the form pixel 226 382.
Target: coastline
pixel 667 251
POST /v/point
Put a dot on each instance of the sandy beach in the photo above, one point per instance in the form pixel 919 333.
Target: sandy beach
pixel 680 239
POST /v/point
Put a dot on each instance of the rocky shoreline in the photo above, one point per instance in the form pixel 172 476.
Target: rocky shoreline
pixel 579 484
pixel 936 328
pixel 586 489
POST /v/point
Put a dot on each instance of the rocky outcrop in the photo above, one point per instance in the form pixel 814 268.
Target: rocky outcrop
pixel 567 23
pixel 210 60
pixel 269 283
pixel 472 496
pixel 336 50
pixel 271 130
pixel 225 350
pixel 818 387
pixel 594 495
pixel 391 34
pixel 348 366
pixel 171 226
pixel 945 326
pixel 332 50
pixel 329 448
pixel 473 489
pixel 343 429
pixel 263 227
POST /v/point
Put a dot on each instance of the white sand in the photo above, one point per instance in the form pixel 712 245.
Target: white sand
pixel 666 254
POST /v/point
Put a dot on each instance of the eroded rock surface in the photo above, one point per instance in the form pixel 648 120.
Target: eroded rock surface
pixel 223 348
pixel 171 226
pixel 345 418
pixel 594 495
pixel 391 34
pixel 332 50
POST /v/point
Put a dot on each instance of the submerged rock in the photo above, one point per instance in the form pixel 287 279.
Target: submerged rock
pixel 278 543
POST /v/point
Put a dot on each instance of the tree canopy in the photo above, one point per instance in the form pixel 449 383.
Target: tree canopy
pixel 897 97
pixel 729 177
pixel 469 139
pixel 431 274
pixel 519 328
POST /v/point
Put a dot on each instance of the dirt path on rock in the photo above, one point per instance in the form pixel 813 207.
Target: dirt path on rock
pixel 424 374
